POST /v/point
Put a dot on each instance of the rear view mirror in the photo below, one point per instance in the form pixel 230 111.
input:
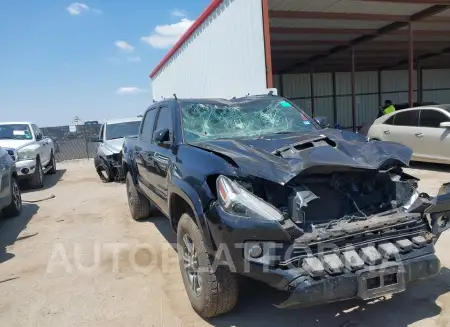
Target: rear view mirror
pixel 445 124
pixel 38 137
pixel 161 135
pixel 96 140
pixel 322 121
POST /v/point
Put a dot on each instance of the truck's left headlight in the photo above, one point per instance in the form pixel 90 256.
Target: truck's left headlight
pixel 236 200
pixel 26 153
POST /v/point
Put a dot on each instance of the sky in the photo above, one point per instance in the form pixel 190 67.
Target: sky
pixel 89 59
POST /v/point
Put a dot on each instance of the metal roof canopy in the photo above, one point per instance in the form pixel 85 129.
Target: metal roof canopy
pixel 323 34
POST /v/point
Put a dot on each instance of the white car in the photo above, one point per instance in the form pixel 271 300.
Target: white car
pixel 426 130
pixel 32 152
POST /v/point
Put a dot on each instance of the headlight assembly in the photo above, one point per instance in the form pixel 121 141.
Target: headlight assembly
pixel 236 200
pixel 26 154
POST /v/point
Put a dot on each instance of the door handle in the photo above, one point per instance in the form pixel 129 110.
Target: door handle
pixel 419 134
pixel 387 132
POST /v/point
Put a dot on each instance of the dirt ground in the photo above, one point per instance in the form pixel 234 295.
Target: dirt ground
pixel 80 260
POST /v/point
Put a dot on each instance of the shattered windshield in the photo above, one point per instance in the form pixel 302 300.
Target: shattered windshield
pixel 119 130
pixel 15 132
pixel 253 118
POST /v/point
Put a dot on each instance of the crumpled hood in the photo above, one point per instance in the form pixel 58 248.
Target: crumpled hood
pixel 276 157
pixel 115 146
pixel 15 144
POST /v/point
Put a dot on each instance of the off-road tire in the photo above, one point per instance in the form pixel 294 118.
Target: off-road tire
pixel 52 170
pixel 140 206
pixel 220 288
pixel 102 169
pixel 13 210
pixel 37 180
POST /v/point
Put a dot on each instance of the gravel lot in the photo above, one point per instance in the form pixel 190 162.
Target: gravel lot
pixel 80 260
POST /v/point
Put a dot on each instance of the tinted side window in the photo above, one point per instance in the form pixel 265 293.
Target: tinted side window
pixel 406 118
pixel 165 120
pixel 432 118
pixel 390 120
pixel 36 131
pixel 147 125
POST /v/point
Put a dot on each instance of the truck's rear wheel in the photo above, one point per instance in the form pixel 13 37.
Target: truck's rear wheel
pixel 140 206
pixel 37 180
pixel 211 292
pixel 52 170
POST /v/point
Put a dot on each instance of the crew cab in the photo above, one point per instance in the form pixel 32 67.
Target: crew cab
pixel 255 187
pixel 10 195
pixel 32 152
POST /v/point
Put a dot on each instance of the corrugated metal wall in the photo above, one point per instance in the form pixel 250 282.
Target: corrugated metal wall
pixel 223 58
pixel 394 86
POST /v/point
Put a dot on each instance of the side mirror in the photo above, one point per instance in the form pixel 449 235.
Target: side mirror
pixel 39 137
pixel 161 135
pixel 322 121
pixel 96 140
pixel 445 124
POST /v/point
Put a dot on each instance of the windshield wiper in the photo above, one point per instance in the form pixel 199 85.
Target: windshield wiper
pixel 283 132
pixel 6 138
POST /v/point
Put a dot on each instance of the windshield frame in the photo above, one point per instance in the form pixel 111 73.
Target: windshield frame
pixel 29 128
pixel 212 102
pixel 108 138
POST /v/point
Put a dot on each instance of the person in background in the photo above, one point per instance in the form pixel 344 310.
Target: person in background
pixel 387 108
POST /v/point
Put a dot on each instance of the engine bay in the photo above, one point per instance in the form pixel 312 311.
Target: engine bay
pixel 321 200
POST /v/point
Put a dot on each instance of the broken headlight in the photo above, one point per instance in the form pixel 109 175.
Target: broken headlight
pixel 236 200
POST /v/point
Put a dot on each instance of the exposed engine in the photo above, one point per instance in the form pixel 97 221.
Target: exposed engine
pixel 315 200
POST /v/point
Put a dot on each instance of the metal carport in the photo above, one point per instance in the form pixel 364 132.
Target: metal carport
pixel 342 58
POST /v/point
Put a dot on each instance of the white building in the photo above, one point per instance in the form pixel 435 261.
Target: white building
pixel 304 49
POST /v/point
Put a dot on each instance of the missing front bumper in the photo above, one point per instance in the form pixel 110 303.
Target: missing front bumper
pixel 387 278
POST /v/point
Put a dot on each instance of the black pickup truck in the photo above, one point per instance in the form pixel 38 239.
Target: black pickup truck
pixel 254 187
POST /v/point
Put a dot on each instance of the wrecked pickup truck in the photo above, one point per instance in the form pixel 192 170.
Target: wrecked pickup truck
pixel 255 187
pixel 108 161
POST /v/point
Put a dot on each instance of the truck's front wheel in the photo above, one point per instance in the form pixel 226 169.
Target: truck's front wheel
pixel 140 206
pixel 212 291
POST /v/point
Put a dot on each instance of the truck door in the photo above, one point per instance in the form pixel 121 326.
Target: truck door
pixel 143 153
pixel 162 158
pixel 44 147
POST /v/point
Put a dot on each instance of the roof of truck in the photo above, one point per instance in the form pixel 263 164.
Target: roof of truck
pixel 123 120
pixel 15 123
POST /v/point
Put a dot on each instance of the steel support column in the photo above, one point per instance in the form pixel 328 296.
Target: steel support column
pixel 419 82
pixel 353 91
pixel 333 76
pixel 311 82
pixel 380 93
pixel 281 90
pixel 267 47
pixel 410 65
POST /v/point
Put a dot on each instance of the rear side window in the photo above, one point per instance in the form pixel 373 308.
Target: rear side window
pixel 390 120
pixel 406 118
pixel 147 125
pixel 432 118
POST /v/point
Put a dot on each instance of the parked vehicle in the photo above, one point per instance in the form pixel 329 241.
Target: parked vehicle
pixel 424 129
pixel 255 187
pixel 32 152
pixel 108 162
pixel 364 130
pixel 10 195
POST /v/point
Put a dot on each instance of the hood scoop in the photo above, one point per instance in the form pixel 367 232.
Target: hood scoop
pixel 292 152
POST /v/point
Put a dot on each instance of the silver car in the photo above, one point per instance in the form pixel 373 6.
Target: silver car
pixel 426 130
pixel 10 196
